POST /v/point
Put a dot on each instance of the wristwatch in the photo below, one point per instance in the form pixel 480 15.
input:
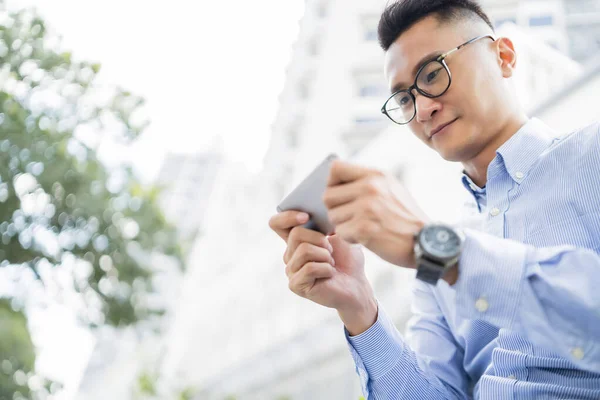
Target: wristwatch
pixel 437 250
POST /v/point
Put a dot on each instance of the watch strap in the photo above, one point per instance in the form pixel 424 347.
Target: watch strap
pixel 429 271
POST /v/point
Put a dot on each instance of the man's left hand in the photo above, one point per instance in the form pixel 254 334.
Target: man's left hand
pixel 375 210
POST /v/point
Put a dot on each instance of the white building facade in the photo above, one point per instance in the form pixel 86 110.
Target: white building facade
pixel 186 181
pixel 239 330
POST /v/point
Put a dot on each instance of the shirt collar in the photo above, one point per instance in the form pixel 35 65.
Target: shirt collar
pixel 520 152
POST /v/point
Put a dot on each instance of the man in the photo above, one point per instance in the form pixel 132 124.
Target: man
pixel 510 310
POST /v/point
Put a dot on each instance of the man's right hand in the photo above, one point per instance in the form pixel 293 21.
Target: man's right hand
pixel 326 270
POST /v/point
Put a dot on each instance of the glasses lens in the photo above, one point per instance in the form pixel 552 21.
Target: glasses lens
pixel 401 107
pixel 433 79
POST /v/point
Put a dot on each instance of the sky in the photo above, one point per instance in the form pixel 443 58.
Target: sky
pixel 192 61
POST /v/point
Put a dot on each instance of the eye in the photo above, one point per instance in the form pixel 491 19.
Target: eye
pixel 404 100
pixel 431 76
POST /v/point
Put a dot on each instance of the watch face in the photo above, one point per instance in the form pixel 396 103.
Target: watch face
pixel 440 241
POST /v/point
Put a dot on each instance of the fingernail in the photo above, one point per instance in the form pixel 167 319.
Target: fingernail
pixel 302 217
pixel 332 262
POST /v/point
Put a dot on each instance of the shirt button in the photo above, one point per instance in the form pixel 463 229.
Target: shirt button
pixel 512 377
pixel 519 175
pixel 577 352
pixel 495 211
pixel 481 305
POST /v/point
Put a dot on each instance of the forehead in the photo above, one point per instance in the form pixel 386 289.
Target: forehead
pixel 425 37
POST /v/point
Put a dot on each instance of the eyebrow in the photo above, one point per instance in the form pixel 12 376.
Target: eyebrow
pixel 422 61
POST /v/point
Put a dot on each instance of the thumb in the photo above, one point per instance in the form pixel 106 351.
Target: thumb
pixel 346 254
pixel 340 244
pixel 337 242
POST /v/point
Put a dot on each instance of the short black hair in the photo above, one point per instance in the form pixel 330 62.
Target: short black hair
pixel 400 15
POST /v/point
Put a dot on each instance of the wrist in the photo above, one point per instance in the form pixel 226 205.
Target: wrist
pixel 451 275
pixel 359 319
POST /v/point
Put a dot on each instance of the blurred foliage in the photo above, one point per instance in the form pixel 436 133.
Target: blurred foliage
pixel 61 207
pixel 148 384
pixel 18 379
pixel 16 352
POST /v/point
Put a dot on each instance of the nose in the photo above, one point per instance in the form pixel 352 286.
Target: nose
pixel 426 107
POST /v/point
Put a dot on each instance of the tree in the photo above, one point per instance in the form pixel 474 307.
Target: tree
pixel 60 206
pixel 16 352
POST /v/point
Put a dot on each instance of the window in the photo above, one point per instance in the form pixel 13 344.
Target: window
pixel 292 137
pixel 370 83
pixel 322 9
pixel 303 91
pixel 293 132
pixel 373 90
pixel 543 20
pixel 369 25
pixel 312 47
pixel 366 120
pixel 371 35
pixel 305 85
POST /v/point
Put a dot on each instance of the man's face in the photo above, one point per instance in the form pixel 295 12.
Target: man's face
pixel 473 103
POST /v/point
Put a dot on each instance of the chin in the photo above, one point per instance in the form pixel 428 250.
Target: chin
pixel 453 156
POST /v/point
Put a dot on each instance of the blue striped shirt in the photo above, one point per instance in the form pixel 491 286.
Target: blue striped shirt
pixel 523 319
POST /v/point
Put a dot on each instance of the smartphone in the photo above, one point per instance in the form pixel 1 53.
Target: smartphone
pixel 308 197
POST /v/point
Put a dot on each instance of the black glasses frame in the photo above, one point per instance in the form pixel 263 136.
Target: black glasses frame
pixel 441 59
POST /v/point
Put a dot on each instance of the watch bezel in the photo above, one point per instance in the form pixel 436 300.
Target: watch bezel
pixel 421 252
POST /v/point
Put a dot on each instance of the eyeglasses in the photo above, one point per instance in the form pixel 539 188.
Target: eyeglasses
pixel 433 80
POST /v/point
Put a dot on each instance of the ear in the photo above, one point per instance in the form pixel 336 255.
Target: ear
pixel 507 56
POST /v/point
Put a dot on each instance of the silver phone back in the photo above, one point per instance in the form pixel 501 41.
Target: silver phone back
pixel 308 197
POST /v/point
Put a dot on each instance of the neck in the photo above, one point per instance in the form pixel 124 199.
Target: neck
pixel 477 167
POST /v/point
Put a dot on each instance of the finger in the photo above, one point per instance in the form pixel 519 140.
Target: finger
pixel 301 282
pixel 306 253
pixel 283 222
pixel 302 235
pixel 342 172
pixel 342 193
pixel 358 231
pixel 344 213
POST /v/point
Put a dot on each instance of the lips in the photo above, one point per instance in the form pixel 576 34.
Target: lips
pixel 439 128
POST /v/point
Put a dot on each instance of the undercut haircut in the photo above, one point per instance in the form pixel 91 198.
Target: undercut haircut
pixel 400 15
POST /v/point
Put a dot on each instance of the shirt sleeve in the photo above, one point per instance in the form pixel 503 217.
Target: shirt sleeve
pixel 390 368
pixel 550 295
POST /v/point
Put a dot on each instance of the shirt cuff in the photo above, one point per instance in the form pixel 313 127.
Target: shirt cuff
pixel 491 272
pixel 378 349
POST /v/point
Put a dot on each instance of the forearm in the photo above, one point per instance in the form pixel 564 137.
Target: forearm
pixel 390 369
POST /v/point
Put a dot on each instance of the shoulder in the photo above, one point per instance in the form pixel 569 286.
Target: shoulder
pixel 589 134
pixel 581 143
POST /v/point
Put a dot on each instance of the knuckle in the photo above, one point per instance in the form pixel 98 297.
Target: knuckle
pixel 291 285
pixel 286 259
pixel 364 228
pixel 369 206
pixel 273 222
pixel 372 186
pixel 294 233
pixel 310 268
pixel 327 200
pixel 335 165
pixel 303 249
